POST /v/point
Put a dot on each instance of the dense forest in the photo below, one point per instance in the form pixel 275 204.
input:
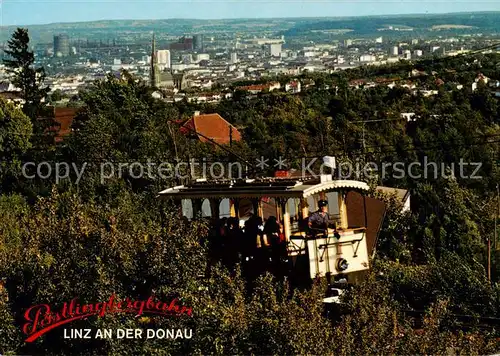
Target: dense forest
pixel 92 239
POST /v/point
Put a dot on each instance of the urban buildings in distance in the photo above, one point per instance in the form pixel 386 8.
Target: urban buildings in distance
pixel 61 45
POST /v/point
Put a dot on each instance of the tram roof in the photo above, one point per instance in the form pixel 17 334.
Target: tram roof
pixel 301 187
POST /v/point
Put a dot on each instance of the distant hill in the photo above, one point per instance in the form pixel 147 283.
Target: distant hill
pixel 133 28
pixel 291 27
pixel 484 21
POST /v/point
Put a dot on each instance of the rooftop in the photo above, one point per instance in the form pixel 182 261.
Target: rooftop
pixel 212 126
pixel 261 187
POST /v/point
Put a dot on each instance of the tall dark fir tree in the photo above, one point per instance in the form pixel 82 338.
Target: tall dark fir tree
pixel 28 78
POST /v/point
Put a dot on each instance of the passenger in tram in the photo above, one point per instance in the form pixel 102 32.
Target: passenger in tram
pixel 248 246
pixel 282 235
pixel 276 237
pixel 222 227
pixel 272 231
pixel 254 257
pixel 233 237
pixel 251 233
pixel 216 237
pixel 260 242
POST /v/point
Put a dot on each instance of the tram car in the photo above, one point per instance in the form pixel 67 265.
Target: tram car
pixel 339 252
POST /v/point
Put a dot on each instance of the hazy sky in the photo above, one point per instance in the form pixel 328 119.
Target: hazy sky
pixel 27 12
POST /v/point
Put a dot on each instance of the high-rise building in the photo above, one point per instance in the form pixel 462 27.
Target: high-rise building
pixel 275 49
pixel 198 42
pixel 183 44
pixel 61 45
pixel 163 58
pixel 234 58
pixel 395 51
pixel 407 54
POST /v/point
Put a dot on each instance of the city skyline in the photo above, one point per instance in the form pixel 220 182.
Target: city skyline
pixel 28 12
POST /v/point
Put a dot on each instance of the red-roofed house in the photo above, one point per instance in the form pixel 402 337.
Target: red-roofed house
pixel 356 83
pixel 64 119
pixel 212 126
pixel 257 88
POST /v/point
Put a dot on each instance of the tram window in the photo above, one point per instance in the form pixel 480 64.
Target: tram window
pixel 292 208
pixel 205 209
pixel 333 205
pixel 224 208
pixel 245 208
pixel 312 205
pixel 187 208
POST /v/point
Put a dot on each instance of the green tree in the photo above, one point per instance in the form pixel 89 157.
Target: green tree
pixel 121 123
pixel 26 77
pixel 15 131
pixel 57 95
pixel 15 134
